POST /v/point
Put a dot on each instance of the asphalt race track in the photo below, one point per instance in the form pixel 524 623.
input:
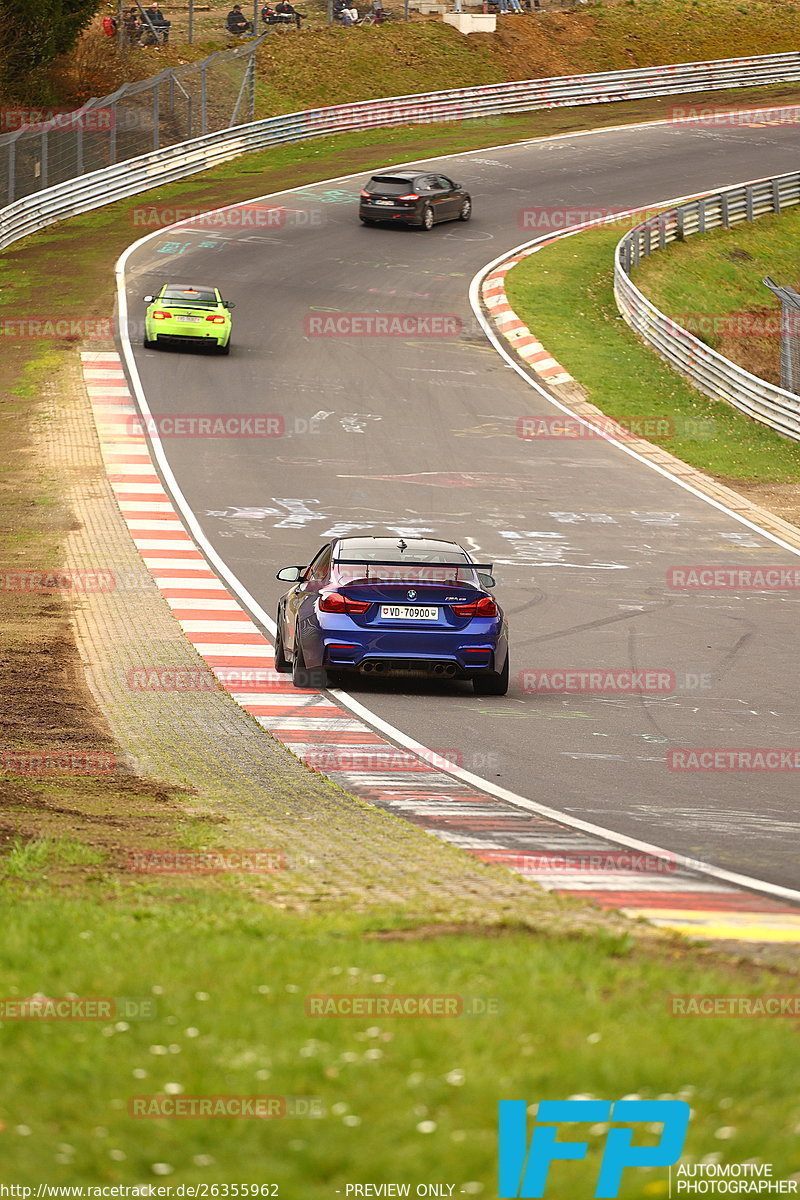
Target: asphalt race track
pixel 418 435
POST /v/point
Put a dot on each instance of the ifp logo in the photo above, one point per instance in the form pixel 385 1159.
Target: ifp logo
pixel 524 1169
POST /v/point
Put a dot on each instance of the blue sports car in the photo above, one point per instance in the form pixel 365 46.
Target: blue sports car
pixel 379 605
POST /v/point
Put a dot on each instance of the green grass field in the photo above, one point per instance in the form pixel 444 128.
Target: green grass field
pixel 406 1099
pixel 565 294
pixel 719 276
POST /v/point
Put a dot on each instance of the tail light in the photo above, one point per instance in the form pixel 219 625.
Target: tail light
pixel 216 318
pixel 366 195
pixel 485 607
pixel 335 602
pixel 409 196
pixel 160 315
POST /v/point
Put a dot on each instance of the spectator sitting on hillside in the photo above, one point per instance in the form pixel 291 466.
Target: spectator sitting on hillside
pixel 269 16
pixel 287 14
pixel 236 22
pixel 342 13
pixel 132 24
pixel 109 26
pixel 160 24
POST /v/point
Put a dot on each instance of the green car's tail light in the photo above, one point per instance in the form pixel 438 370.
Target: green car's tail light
pixel 160 315
pixel 216 318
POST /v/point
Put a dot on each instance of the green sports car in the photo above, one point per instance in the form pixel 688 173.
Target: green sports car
pixel 183 313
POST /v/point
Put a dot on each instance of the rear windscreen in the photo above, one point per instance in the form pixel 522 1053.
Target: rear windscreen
pixel 419 566
pixel 189 295
pixel 389 186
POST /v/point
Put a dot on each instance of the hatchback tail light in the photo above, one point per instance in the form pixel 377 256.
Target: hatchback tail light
pixel 335 602
pixel 217 318
pixel 485 607
pixel 409 196
pixel 160 315
pixel 366 195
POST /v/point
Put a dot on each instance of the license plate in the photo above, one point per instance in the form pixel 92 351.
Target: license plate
pixel 405 612
pixel 389 202
pixel 185 319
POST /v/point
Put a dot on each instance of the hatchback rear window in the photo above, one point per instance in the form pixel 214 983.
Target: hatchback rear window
pixel 190 295
pixel 388 186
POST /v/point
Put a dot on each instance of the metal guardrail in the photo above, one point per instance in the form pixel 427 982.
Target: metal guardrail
pixel 87 191
pixel 709 371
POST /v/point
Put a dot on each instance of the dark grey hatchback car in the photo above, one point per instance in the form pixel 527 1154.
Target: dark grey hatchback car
pixel 414 198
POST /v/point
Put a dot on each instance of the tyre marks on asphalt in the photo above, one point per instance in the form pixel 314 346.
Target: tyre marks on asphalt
pixel 329 739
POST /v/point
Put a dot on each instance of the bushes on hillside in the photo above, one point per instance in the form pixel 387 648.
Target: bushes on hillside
pixel 32 34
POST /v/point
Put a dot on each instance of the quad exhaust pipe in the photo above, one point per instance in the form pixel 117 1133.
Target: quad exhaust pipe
pixel 447 670
pixel 374 668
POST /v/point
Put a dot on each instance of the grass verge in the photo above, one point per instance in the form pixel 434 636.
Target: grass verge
pixel 409 1100
pixel 565 294
pixel 712 284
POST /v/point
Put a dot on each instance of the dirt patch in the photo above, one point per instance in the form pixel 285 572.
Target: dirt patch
pixel 783 499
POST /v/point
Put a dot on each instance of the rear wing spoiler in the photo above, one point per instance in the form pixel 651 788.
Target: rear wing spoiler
pixel 379 562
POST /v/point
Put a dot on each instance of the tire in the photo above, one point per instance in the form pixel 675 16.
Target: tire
pixel 149 344
pixel 306 677
pixel 466 210
pixel 367 221
pixel 427 218
pixel 281 665
pixel 226 349
pixel 492 683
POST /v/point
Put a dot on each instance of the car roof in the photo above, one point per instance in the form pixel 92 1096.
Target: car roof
pixel 399 174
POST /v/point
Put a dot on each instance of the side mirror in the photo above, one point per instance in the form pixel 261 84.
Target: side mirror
pixel 228 304
pixel 148 299
pixel 458 186
pixel 486 581
pixel 290 574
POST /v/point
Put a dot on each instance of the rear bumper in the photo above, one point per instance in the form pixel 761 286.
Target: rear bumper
pixel 188 338
pixel 457 655
pixel 381 212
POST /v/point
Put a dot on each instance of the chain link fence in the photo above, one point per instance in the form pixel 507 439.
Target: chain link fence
pixel 790 335
pixel 42 149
